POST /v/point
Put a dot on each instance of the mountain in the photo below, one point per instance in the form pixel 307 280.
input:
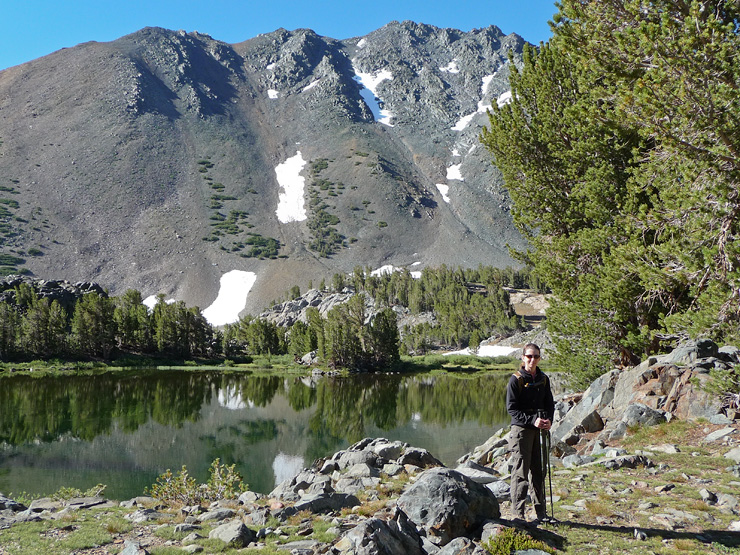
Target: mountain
pixel 157 161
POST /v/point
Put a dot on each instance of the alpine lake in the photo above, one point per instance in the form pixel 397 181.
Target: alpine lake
pixel 124 428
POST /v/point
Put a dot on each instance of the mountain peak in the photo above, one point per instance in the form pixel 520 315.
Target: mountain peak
pixel 158 161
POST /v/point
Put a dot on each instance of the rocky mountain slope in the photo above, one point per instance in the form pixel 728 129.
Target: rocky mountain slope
pixel 157 161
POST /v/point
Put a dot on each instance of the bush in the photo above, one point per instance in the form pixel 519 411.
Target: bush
pixel 511 540
pixel 182 489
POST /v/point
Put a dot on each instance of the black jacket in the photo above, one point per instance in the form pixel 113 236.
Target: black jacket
pixel 523 401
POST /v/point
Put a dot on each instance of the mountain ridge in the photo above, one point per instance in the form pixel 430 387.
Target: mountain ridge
pixel 149 162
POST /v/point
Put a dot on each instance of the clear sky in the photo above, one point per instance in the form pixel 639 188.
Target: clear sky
pixel 30 29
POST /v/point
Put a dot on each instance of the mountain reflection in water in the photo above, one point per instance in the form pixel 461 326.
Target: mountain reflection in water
pixel 123 429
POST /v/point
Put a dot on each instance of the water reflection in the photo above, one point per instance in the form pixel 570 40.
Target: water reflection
pixel 124 429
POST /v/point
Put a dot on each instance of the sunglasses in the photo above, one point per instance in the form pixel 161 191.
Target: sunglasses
pixel 532 356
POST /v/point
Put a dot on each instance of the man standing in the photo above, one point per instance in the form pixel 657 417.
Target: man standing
pixel 531 406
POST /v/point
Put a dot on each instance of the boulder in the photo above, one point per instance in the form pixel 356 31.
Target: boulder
pixel 217 514
pixel 319 503
pixel 733 455
pixel 637 414
pixel 418 457
pixel 462 546
pixel 628 461
pixel 374 536
pixel 234 533
pixel 447 504
pixel 477 473
pixel 691 350
pixel 598 395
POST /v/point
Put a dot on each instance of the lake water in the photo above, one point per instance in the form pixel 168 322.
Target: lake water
pixel 124 429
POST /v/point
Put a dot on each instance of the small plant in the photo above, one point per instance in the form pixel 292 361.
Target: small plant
pixel 179 489
pixel 70 493
pixel 511 540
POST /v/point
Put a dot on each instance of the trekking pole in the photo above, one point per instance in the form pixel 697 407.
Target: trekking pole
pixel 549 474
pixel 545 453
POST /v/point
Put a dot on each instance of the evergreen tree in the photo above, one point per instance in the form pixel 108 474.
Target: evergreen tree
pixel 133 326
pixel 619 149
pixel 93 326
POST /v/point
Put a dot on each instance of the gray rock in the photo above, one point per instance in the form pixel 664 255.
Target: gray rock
pixel 355 485
pixel 447 504
pixel 45 504
pixel 393 469
pixel 728 502
pixel 689 351
pixel 629 461
pixel 477 473
pixel 665 448
pixel 87 502
pixel 390 450
pixel 720 420
pixel 707 496
pixel 598 395
pixel 561 449
pixel 249 497
pixel 352 458
pixel 609 452
pixel 320 503
pixel 362 470
pixel 217 515
pixel 572 461
pixel 729 353
pixel 143 515
pixel 719 434
pixel 184 528
pixel 638 414
pixel 233 533
pixel 378 537
pixel 501 489
pixel 8 504
pixel 461 546
pixel 418 457
pixel 192 549
pixel 132 548
pixel 733 455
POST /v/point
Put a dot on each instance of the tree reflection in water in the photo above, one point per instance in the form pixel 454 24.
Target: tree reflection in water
pixel 127 427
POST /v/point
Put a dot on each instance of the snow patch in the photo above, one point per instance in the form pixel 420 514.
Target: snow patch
pixel 291 207
pixel 362 43
pixel 444 190
pixel 370 82
pixel 487 351
pixel 384 270
pixel 450 68
pixel 271 66
pixel 151 301
pixel 453 172
pixel 311 85
pixel 272 93
pixel 483 106
pixel 232 298
pixel 504 99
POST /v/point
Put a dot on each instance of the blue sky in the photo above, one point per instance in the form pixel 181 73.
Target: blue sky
pixel 30 29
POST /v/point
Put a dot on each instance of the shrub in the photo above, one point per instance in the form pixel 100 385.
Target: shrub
pixel 182 489
pixel 511 540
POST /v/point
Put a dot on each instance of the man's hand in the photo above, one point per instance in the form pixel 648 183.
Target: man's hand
pixel 542 424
